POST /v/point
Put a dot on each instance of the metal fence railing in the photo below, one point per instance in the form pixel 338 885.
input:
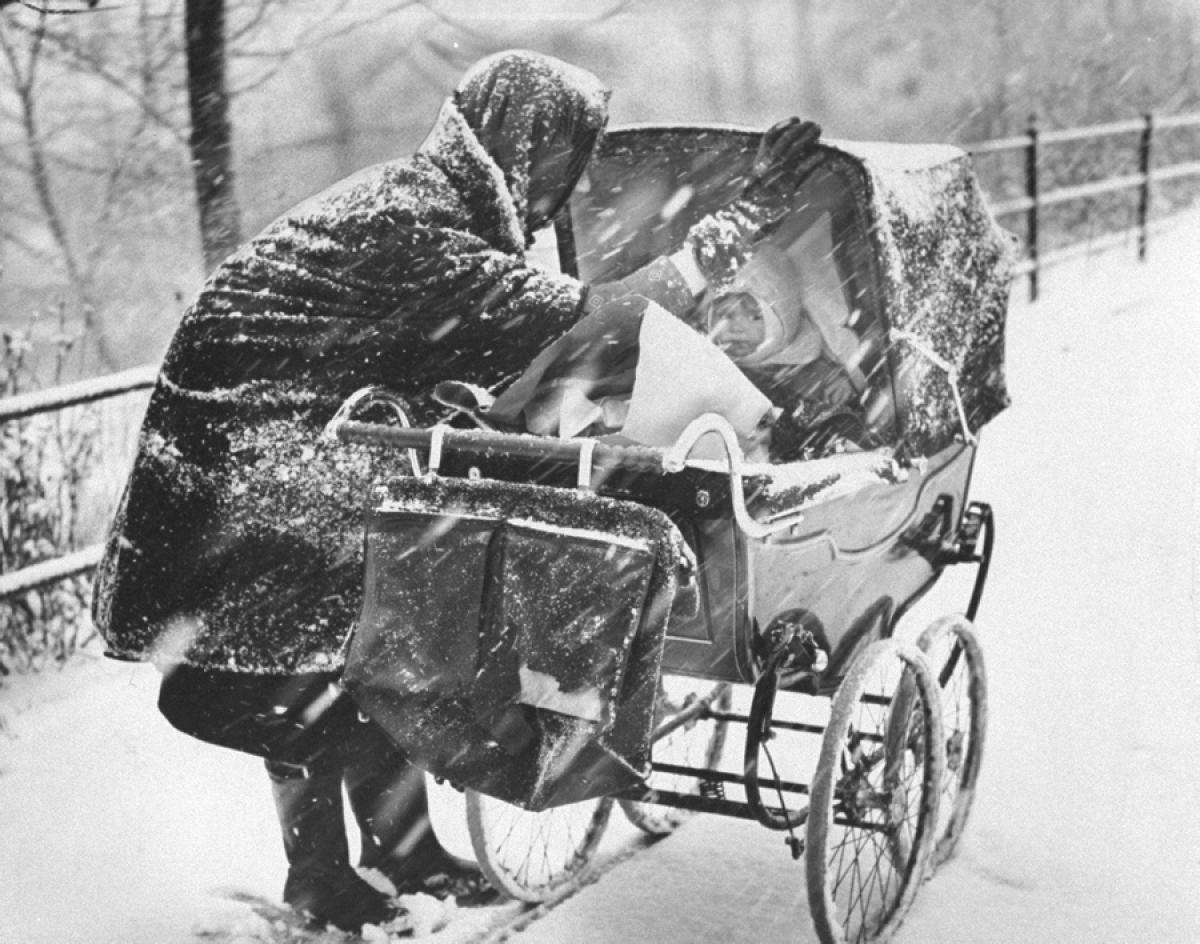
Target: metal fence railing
pixel 1036 198
pixel 1031 203
pixel 74 394
pixel 25 405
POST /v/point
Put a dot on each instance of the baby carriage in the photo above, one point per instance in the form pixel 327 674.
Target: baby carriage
pixel 557 622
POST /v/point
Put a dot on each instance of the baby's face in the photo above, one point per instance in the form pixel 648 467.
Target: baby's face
pixel 737 324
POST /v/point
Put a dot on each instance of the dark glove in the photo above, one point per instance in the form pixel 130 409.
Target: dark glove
pixel 721 241
pixel 783 148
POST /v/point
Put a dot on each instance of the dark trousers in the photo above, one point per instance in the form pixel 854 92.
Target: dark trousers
pixel 304 726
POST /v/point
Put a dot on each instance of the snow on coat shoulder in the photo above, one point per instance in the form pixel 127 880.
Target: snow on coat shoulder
pixel 237 523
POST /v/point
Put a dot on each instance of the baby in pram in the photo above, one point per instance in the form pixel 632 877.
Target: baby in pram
pixel 801 354
pixel 751 351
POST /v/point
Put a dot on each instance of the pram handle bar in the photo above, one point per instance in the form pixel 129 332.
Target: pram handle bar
pixel 596 455
pixel 710 424
pixel 365 397
pixel 489 444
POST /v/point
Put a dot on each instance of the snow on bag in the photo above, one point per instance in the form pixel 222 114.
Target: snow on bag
pixel 506 646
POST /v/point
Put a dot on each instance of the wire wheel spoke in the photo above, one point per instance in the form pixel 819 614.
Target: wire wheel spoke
pixel 874 796
pixel 530 856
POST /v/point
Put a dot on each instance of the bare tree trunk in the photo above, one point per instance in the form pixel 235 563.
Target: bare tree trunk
pixel 211 140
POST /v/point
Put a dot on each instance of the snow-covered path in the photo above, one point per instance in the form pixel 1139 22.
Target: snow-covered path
pixel 114 828
pixel 1086 829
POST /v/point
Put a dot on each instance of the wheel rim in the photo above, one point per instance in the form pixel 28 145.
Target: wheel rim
pixel 531 856
pixel 956 658
pixel 874 797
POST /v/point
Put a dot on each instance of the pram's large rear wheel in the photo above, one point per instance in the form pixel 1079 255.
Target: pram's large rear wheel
pixel 696 743
pixel 873 800
pixel 532 856
pixel 956 659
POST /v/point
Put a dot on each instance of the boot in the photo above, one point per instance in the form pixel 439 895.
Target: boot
pixel 388 799
pixel 320 882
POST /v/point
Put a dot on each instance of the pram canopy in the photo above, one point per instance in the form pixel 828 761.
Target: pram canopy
pixel 893 242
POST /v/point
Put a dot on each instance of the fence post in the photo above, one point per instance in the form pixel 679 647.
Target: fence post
pixel 1143 212
pixel 1031 191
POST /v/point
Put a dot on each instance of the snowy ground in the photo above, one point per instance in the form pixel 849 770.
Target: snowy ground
pixel 116 830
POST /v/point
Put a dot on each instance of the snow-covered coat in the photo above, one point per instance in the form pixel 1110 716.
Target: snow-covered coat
pixel 238 542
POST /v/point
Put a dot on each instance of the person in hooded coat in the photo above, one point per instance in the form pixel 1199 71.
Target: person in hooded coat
pixel 235 557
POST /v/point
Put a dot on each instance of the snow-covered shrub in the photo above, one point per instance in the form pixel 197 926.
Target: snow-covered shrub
pixel 43 462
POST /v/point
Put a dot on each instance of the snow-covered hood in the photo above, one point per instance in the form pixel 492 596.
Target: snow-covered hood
pixel 521 108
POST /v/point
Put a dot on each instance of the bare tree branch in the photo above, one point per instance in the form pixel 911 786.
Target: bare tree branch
pixel 47 10
pixel 111 193
pixel 24 83
pixel 84 61
pixel 25 246
pixel 309 38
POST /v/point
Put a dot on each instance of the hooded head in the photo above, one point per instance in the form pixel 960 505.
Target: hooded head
pixel 759 319
pixel 539 119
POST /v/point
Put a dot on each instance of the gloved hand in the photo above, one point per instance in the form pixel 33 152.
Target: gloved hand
pixel 721 240
pixel 783 148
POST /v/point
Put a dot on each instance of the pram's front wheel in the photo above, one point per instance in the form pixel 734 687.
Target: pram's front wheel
pixel 956 659
pixel 873 801
pixel 531 856
pixel 690 738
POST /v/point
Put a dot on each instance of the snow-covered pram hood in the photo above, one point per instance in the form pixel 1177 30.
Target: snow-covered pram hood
pixel 946 268
pixel 911 241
